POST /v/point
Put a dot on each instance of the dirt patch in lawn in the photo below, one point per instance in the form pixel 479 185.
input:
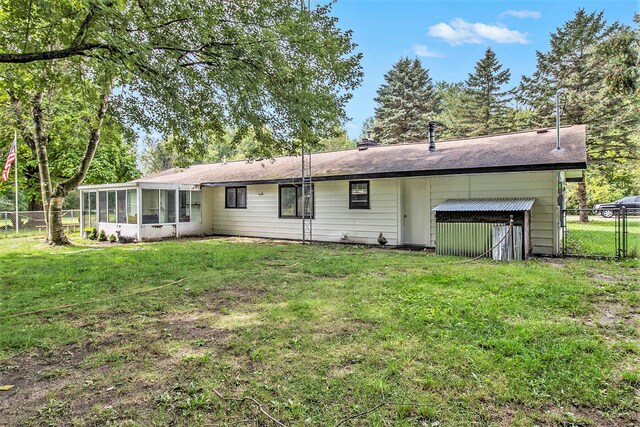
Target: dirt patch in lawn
pixel 128 360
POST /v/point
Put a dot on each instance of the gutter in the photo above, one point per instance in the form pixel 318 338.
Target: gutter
pixel 401 174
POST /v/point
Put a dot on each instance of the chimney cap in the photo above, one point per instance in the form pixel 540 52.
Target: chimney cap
pixel 432 136
pixel 366 142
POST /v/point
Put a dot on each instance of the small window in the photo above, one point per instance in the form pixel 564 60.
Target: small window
pixel 132 206
pixel 196 210
pixel 150 207
pixel 102 201
pixel 291 202
pixel 167 206
pixel 122 206
pixel 92 209
pixel 89 209
pixel 183 206
pixel 111 206
pixel 358 194
pixel 235 197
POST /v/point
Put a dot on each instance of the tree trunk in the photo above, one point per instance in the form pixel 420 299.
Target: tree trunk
pixel 40 145
pixel 56 234
pixel 582 200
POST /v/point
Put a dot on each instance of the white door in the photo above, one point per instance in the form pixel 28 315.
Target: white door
pixel 415 211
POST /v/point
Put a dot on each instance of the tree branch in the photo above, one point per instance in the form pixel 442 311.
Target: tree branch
pixel 22 126
pixel 24 58
pixel 81 35
pixel 63 188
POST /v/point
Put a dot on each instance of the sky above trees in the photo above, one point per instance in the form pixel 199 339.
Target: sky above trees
pixel 450 36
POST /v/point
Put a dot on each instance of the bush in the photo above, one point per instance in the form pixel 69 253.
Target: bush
pixel 112 238
pixel 103 236
pixel 94 234
pixel 87 232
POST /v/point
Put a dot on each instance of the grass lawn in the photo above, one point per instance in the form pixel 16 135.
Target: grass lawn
pixel 316 334
pixel 597 237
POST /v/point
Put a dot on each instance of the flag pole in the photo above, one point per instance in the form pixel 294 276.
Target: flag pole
pixel 15 165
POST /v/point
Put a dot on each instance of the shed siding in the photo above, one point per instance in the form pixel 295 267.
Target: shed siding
pixel 333 218
pixel 535 185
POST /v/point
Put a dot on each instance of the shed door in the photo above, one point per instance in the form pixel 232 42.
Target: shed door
pixel 415 212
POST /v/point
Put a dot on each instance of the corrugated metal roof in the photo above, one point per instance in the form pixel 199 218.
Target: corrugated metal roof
pixel 489 154
pixel 485 205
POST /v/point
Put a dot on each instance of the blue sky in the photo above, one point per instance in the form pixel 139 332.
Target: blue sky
pixel 450 36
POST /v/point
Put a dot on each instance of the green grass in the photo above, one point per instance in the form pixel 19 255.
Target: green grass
pixel 597 237
pixel 315 334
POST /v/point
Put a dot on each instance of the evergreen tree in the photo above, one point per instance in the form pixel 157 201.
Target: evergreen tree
pixel 487 110
pixel 598 84
pixel 406 101
pixel 454 99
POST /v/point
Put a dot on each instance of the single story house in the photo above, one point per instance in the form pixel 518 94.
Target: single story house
pixel 401 191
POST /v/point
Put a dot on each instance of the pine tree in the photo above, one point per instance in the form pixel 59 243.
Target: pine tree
pixel 581 63
pixel 454 99
pixel 406 102
pixel 487 110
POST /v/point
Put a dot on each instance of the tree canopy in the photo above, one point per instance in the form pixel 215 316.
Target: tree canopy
pixel 486 111
pixel 185 69
pixel 406 102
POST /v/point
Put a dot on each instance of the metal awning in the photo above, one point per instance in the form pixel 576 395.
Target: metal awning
pixel 485 205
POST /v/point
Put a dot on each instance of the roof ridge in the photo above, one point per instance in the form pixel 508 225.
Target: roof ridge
pixel 404 144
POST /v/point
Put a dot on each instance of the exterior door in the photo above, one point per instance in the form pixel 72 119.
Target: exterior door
pixel 415 211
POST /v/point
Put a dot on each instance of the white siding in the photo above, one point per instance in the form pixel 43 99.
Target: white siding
pixel 207 209
pixel 189 229
pixel 126 230
pixel 157 231
pixel 333 218
pixel 540 186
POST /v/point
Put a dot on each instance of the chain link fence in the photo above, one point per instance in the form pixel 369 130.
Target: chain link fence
pixel 33 222
pixel 613 234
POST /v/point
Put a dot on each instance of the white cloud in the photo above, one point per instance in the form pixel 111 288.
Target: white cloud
pixel 533 14
pixel 460 32
pixel 426 52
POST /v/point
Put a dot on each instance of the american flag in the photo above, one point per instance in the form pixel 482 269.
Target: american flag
pixel 10 159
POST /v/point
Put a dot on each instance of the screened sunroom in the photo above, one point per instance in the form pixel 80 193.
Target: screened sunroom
pixel 142 211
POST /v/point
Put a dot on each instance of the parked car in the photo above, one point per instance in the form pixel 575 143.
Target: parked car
pixel 607 209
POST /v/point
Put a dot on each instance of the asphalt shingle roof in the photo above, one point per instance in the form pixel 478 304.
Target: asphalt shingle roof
pixel 522 151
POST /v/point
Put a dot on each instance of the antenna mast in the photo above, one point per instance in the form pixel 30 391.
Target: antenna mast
pixel 307 179
pixel 307 197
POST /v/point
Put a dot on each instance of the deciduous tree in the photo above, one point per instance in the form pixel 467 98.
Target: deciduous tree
pixel 180 68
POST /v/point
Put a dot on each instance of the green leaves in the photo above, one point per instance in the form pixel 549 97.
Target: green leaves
pixel 186 68
pixel 406 101
pixel 487 110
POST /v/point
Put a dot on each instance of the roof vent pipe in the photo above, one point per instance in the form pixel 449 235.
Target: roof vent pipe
pixel 432 136
pixel 558 93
